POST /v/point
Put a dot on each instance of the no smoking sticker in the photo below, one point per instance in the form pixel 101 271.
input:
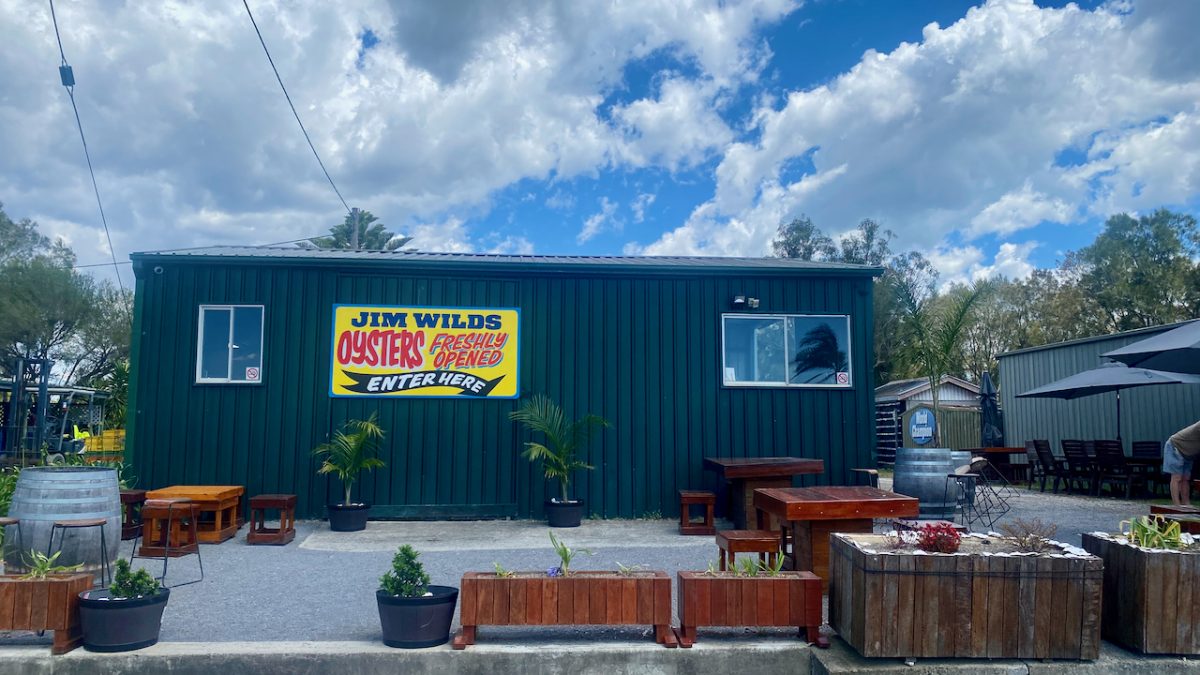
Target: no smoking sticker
pixel 843 378
pixel 252 374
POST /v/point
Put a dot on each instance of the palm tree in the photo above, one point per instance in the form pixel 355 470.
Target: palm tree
pixel 372 235
pixel 559 454
pixel 818 349
pixel 933 336
pixel 351 451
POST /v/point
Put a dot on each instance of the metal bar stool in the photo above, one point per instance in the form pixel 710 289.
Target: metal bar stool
pixel 169 531
pixel 5 522
pixel 61 527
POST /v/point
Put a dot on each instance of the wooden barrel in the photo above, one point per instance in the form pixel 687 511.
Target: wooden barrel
pixel 45 494
pixel 921 473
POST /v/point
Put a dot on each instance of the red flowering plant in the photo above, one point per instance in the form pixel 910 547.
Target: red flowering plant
pixel 938 538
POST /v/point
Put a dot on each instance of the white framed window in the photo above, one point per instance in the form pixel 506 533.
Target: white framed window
pixel 786 350
pixel 229 345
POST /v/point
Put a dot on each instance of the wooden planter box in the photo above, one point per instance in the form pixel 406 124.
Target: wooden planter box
pixel 789 599
pixel 534 599
pixel 44 604
pixel 905 604
pixel 1151 598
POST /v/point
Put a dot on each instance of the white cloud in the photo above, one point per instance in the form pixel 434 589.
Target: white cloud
pixel 449 236
pixel 1018 210
pixel 599 221
pixel 640 204
pixel 194 143
pixel 960 132
pixel 512 245
pixel 962 264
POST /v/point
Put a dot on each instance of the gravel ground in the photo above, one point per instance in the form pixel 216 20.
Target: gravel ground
pixel 321 586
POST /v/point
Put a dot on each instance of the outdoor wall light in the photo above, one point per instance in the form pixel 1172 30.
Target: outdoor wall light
pixel 752 303
pixel 739 301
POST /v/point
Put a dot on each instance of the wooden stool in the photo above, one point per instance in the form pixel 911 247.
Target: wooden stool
pixel 131 521
pixel 731 542
pixel 689 498
pixel 61 526
pixel 261 534
pixel 169 531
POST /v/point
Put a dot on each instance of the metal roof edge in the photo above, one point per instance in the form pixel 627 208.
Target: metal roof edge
pixel 713 265
pixel 1147 332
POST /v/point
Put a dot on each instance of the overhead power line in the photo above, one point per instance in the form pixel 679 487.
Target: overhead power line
pixel 293 107
pixel 68 80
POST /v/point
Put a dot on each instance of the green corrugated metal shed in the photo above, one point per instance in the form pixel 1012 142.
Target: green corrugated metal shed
pixel 635 340
pixel 1147 413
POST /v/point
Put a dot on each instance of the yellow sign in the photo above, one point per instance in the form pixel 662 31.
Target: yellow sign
pixel 426 352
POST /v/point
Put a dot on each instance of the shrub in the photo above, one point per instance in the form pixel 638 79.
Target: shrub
pixel 407 578
pixel 1030 536
pixel 41 565
pixel 938 538
pixel 129 584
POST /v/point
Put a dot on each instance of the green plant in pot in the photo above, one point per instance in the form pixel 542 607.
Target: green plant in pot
pixel 348 454
pixel 412 612
pixel 125 616
pixel 559 454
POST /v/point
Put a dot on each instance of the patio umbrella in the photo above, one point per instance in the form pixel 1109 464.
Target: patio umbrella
pixel 991 423
pixel 1176 351
pixel 1108 377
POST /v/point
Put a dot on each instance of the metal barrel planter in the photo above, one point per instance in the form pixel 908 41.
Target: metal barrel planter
pixel 921 473
pixel 46 494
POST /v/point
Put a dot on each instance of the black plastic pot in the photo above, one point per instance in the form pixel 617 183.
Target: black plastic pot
pixel 564 514
pixel 412 623
pixel 120 625
pixel 348 517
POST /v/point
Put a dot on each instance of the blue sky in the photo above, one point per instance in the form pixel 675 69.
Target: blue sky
pixel 991 136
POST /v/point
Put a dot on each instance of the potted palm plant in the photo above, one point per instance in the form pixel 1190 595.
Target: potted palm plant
pixel 125 616
pixel 351 452
pixel 412 612
pixel 559 454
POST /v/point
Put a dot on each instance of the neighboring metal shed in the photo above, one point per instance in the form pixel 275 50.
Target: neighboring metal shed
pixel 1147 413
pixel 635 340
pixel 895 398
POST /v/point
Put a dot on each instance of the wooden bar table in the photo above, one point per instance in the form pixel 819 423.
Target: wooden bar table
pixel 1001 458
pixel 747 474
pixel 223 502
pixel 811 514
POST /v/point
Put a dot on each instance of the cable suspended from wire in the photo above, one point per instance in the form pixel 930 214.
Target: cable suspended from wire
pixel 293 107
pixel 68 80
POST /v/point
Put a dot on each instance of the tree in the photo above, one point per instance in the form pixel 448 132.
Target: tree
pixel 932 332
pixel 802 240
pixel 1141 271
pixel 818 350
pixel 868 245
pixel 21 241
pixel 372 235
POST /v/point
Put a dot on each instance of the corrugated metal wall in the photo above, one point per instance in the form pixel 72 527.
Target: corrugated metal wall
pixel 642 351
pixel 1147 413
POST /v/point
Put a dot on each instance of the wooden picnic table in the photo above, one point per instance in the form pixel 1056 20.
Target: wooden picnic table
pixel 220 508
pixel 811 514
pixel 744 475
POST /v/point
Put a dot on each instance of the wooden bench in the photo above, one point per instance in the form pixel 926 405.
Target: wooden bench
pixel 690 498
pixel 277 536
pixel 731 542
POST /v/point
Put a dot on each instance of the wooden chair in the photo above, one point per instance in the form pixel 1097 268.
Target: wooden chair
pixel 1033 467
pixel 64 526
pixel 1151 450
pixel 1111 467
pixel 731 542
pixel 1079 466
pixel 131 504
pixel 690 498
pixel 1050 465
pixel 872 476
pixel 169 531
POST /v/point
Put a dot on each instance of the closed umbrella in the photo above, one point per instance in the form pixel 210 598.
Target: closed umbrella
pixel 991 430
pixel 1108 377
pixel 1176 351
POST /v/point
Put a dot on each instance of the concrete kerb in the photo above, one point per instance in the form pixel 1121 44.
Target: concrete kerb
pixel 840 659
pixel 366 658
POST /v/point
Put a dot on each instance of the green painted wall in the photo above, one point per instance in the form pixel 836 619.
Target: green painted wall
pixel 639 347
pixel 1147 413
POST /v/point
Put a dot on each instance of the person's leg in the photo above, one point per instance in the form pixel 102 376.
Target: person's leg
pixel 1185 488
pixel 1180 471
pixel 1178 489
